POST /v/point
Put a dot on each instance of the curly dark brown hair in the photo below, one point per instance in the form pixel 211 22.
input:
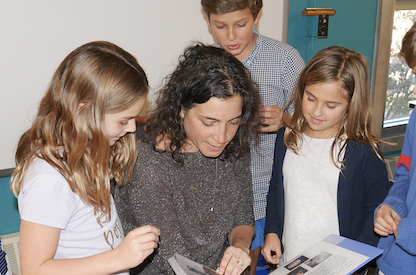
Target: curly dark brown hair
pixel 204 72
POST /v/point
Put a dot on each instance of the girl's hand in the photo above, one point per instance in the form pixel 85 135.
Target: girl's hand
pixel 387 221
pixel 271 250
pixel 234 261
pixel 138 245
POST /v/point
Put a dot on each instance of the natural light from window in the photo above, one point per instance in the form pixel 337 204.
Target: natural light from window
pixel 401 80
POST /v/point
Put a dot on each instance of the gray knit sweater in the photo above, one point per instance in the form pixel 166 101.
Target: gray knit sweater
pixel 175 197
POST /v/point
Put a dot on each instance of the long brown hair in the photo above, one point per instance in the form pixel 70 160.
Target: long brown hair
pixel 336 64
pixel 69 129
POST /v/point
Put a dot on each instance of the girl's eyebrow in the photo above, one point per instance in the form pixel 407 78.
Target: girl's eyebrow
pixel 334 102
pixel 309 94
pixel 327 102
pixel 129 117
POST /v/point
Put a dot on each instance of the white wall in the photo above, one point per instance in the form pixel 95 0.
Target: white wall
pixel 35 36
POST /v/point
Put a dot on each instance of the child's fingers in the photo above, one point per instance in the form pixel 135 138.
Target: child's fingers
pixel 382 230
pixel 146 229
pixel 271 255
pixel 271 249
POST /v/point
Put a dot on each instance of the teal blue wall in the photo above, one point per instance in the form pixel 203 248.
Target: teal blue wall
pixel 9 215
pixel 353 26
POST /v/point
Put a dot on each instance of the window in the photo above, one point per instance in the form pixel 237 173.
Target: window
pixel 391 81
pixel 400 78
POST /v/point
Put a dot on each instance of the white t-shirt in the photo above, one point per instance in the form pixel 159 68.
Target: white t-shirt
pixel 47 199
pixel 310 181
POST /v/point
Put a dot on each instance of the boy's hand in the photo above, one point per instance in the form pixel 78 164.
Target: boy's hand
pixel 271 250
pixel 271 117
pixel 387 221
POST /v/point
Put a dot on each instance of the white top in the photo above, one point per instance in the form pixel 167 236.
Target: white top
pixel 310 182
pixel 275 67
pixel 47 199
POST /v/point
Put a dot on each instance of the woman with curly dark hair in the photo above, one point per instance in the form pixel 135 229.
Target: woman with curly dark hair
pixel 192 176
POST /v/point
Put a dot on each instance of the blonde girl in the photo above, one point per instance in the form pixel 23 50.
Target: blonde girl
pixel 328 172
pixel 82 136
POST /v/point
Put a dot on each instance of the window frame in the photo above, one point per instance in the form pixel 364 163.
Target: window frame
pixel 381 64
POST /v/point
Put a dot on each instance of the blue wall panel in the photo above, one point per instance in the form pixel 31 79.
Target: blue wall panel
pixel 353 26
pixel 9 215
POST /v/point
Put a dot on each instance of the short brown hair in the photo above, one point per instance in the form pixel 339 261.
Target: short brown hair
pixel 408 51
pixel 226 6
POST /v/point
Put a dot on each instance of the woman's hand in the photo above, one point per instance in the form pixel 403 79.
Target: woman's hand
pixel 138 245
pixel 236 257
pixel 271 249
pixel 234 261
pixel 387 221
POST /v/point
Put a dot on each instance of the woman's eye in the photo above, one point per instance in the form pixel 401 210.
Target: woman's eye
pixel 219 27
pixel 331 107
pixel 124 123
pixel 207 124
pixel 241 26
pixel 235 122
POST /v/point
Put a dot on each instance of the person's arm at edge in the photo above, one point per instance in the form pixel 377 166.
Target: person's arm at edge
pixel 388 214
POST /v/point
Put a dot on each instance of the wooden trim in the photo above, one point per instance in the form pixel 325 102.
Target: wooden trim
pixel 381 62
pixel 312 12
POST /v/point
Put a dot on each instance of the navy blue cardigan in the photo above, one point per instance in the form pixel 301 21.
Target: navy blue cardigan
pixel 362 186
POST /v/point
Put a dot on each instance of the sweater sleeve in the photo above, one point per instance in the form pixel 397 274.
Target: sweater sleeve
pixel 406 237
pixel 376 187
pixel 245 202
pixel 396 198
pixel 399 192
pixel 275 196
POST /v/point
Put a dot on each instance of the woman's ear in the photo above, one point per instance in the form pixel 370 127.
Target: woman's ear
pixel 182 113
pixel 81 105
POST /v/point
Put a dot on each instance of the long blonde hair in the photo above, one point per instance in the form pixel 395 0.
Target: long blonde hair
pixel 336 64
pixel 69 129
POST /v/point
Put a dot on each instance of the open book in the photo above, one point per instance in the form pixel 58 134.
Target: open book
pixel 184 266
pixel 334 255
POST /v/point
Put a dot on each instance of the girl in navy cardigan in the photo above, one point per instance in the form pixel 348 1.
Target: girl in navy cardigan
pixel 332 176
